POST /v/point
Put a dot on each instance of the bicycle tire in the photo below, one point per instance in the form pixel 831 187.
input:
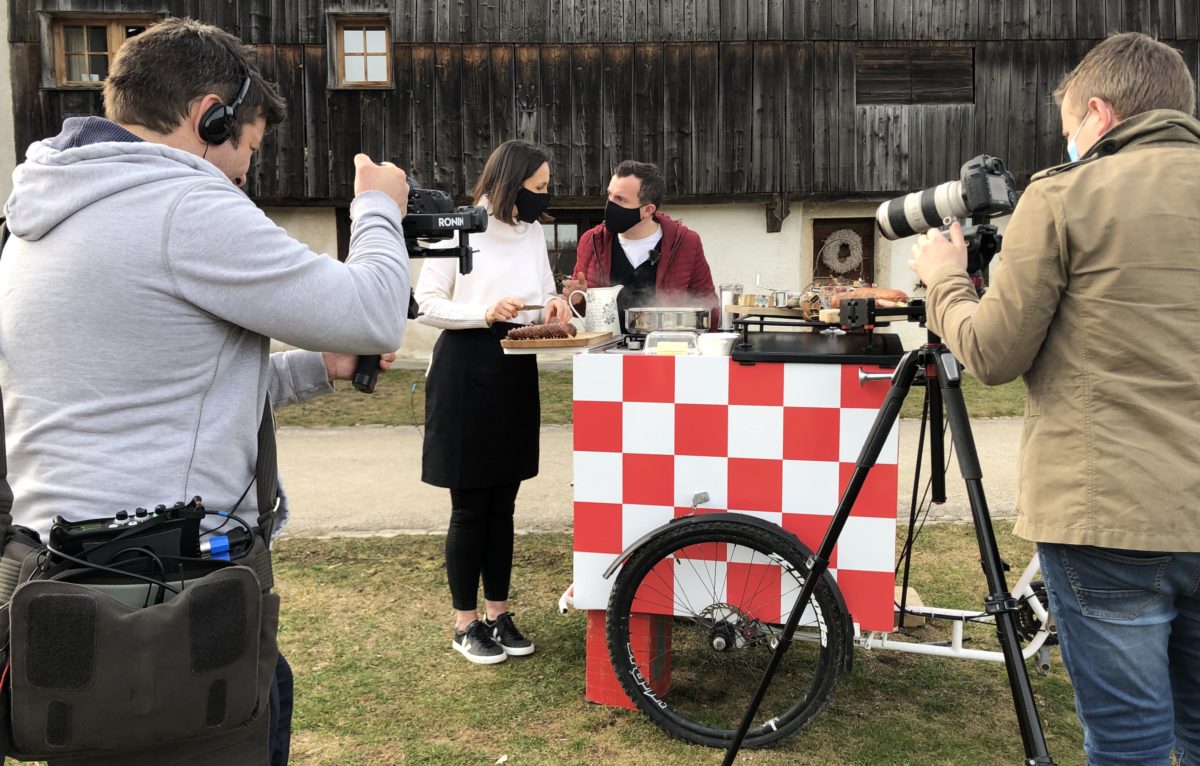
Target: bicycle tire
pixel 716 652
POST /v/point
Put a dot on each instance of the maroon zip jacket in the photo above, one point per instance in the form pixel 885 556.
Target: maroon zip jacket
pixel 682 271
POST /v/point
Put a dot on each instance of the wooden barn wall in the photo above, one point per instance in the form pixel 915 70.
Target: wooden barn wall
pixel 734 99
pixel 634 21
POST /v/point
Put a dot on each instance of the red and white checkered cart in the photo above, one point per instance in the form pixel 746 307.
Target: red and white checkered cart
pixel 772 445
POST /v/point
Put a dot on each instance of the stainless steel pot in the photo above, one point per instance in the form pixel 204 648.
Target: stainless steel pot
pixel 646 320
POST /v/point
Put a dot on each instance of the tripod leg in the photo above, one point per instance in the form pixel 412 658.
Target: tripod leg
pixel 906 370
pixel 999 601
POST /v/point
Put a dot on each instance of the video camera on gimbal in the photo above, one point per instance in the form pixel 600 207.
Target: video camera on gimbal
pixel 431 218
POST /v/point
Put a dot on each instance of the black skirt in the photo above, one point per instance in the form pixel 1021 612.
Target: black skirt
pixel 483 415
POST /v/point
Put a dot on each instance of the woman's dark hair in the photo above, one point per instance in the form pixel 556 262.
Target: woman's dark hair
pixel 157 75
pixel 504 174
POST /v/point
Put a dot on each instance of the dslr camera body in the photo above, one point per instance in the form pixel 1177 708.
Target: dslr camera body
pixel 983 190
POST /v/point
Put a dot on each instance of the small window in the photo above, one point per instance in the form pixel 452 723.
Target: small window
pixel 84 47
pixel 363 48
pixel 915 75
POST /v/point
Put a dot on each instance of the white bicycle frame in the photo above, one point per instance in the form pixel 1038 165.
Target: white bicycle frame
pixel 1022 591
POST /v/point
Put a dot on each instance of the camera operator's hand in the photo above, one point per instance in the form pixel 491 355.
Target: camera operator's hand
pixel 503 310
pixel 341 366
pixel 578 283
pixel 384 177
pixel 933 251
pixel 557 310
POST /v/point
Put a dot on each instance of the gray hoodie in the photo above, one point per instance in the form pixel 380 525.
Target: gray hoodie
pixel 137 296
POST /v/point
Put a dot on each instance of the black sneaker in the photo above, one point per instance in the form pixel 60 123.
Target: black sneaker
pixel 476 644
pixel 510 640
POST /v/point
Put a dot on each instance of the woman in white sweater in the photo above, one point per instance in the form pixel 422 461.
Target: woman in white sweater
pixel 482 411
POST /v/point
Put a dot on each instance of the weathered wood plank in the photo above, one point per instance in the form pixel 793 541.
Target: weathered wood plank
pixel 677 162
pixel 844 19
pixel 737 104
pixel 795 20
pixel 616 107
pixel 1016 18
pixel 866 20
pixel 554 109
pixel 316 124
pixel 398 142
pixel 263 180
pixel 425 17
pixel 706 110
pixel 1187 19
pixel 29 116
pixel 1051 67
pixel 476 112
pixel 448 111
pixel 1089 20
pixel 589 176
pixel 799 118
pixel 289 154
pixel 345 140
pixel 502 90
pixel 649 81
pixel 825 105
pixel 846 137
pixel 1062 19
pixel 527 94
pixel 425 122
pixel 735 19
pixel 537 22
pixel 768 130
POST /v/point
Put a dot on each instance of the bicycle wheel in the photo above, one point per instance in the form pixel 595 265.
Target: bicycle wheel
pixel 693 618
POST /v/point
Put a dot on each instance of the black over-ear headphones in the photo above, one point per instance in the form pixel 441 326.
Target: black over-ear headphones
pixel 218 124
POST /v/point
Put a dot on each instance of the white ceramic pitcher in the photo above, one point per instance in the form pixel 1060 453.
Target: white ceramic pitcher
pixel 601 309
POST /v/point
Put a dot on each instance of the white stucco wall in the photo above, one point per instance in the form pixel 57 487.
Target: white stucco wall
pixel 8 147
pixel 736 243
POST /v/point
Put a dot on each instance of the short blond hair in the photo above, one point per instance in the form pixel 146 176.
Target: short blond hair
pixel 1133 72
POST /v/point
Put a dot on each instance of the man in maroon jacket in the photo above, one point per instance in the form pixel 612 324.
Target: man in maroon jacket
pixel 658 260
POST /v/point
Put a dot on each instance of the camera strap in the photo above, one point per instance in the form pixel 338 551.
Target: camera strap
pixel 266 472
pixel 6 495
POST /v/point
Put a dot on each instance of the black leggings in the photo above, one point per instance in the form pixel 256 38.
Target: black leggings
pixel 480 542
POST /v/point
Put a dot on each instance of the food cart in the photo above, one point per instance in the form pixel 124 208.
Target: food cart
pixel 771 432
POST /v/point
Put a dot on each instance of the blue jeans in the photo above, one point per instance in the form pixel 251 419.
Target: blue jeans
pixel 279 735
pixel 1129 627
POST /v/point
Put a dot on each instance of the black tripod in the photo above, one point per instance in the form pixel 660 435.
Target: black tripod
pixel 940 373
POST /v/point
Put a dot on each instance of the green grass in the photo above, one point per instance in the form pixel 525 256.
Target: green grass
pixel 366 627
pixel 396 403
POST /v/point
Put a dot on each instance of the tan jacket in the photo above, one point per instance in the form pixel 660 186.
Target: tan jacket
pixel 1095 300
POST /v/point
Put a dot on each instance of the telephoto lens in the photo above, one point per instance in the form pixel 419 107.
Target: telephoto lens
pixel 921 211
pixel 984 189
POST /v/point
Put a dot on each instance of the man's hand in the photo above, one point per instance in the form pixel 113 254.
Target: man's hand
pixel 384 177
pixel 933 251
pixel 557 310
pixel 341 366
pixel 503 310
pixel 570 285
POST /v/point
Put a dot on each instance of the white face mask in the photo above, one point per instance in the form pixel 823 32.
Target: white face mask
pixel 1072 149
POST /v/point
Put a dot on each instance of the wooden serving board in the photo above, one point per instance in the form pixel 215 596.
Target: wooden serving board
pixel 582 340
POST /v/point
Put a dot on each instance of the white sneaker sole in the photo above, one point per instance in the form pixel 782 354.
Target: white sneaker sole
pixel 478 659
pixel 516 651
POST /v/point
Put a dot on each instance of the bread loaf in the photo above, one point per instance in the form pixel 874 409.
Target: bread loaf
pixel 547 331
pixel 878 293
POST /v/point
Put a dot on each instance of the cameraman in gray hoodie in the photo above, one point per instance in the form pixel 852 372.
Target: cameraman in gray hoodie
pixel 140 288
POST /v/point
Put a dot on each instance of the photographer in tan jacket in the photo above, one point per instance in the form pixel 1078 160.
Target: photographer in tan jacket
pixel 1095 301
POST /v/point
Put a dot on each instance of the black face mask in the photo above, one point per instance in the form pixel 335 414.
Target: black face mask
pixel 531 205
pixel 619 219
